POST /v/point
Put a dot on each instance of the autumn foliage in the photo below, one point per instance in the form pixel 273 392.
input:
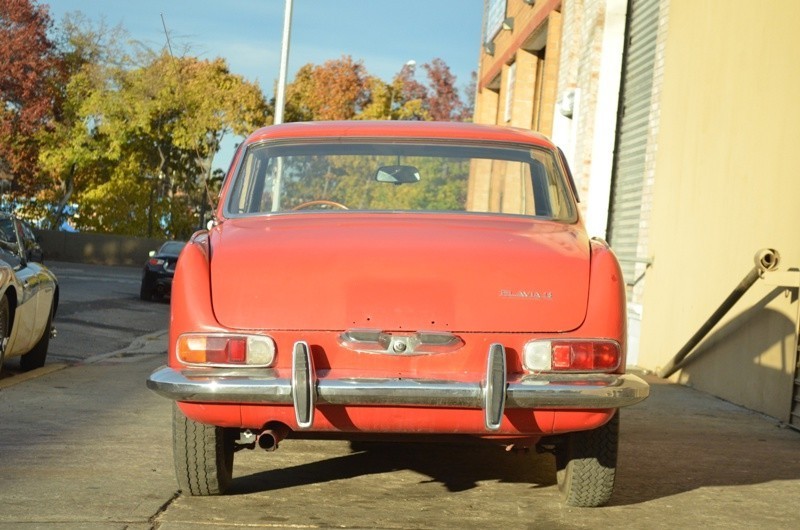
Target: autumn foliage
pixel 341 89
pixel 28 68
pixel 121 138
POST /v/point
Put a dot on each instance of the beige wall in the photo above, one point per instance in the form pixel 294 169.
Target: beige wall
pixel 727 182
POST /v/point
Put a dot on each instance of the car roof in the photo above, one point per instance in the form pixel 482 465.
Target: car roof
pixel 162 250
pixel 399 129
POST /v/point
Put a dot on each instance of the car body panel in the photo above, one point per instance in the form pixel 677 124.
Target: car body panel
pixel 534 275
pixel 35 288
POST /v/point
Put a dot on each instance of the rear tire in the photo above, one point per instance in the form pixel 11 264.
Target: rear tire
pixel 586 465
pixel 37 356
pixel 146 290
pixel 203 455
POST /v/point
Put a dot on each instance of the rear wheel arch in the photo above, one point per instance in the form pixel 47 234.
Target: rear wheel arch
pixel 11 295
pixel 56 295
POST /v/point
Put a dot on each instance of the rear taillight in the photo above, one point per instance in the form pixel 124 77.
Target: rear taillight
pixel 156 262
pixel 579 355
pixel 219 349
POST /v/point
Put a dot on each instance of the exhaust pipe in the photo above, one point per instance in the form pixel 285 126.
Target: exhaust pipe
pixel 272 435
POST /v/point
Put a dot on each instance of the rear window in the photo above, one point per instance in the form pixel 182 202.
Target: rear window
pixel 383 176
pixel 172 248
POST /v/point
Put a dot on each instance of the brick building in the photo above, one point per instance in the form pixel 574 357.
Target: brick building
pixel 680 122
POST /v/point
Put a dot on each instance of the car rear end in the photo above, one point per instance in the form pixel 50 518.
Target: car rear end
pixel 365 285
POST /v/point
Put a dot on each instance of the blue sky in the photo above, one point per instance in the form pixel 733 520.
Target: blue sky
pixel 384 34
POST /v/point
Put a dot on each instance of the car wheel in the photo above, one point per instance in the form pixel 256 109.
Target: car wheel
pixel 146 290
pixel 203 455
pixel 36 357
pixel 4 331
pixel 586 465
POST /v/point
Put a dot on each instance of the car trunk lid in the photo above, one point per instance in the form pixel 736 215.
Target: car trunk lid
pixel 401 272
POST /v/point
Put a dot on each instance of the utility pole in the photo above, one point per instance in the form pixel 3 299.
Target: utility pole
pixel 280 99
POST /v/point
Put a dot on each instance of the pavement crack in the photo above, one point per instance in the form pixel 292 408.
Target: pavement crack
pixel 155 524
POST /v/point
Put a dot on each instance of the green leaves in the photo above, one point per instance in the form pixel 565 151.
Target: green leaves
pixel 138 136
pixel 128 134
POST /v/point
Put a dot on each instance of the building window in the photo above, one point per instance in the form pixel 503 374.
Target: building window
pixel 494 14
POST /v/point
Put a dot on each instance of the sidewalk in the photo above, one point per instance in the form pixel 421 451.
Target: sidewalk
pixel 687 460
pixel 697 461
pixel 88 446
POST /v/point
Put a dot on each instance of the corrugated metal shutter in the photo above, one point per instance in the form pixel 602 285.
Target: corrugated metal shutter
pixel 632 130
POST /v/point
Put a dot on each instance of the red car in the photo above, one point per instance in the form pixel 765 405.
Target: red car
pixel 398 280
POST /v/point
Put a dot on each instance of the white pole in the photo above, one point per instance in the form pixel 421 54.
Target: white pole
pixel 280 96
pixel 280 99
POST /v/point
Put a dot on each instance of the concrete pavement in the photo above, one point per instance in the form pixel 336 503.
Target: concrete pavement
pixel 89 447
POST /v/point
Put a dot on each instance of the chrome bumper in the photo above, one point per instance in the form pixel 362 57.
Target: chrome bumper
pixel 306 388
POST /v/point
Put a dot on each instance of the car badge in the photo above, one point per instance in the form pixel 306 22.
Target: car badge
pixel 529 295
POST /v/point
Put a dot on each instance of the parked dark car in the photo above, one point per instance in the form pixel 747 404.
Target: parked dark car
pixel 159 270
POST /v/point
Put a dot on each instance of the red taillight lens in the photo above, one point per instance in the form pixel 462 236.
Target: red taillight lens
pixel 606 355
pixel 580 355
pixel 155 262
pixel 561 356
pixel 237 350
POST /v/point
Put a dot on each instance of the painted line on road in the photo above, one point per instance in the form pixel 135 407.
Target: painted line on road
pixel 33 374
pixel 148 345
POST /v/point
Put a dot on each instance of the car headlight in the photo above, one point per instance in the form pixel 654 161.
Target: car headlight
pixel 575 355
pixel 222 349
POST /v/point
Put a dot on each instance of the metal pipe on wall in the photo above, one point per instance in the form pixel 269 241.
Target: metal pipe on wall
pixel 766 259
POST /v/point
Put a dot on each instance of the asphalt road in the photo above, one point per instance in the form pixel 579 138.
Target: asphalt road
pixel 83 444
pixel 99 313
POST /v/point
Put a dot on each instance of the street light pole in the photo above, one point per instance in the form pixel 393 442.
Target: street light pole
pixel 280 99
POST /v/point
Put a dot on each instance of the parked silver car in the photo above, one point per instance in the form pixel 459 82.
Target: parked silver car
pixel 28 298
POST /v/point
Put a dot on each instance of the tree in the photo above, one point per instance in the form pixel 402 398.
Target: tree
pixel 341 90
pixel 72 153
pixel 402 99
pixel 135 142
pixel 443 101
pixel 336 90
pixel 165 121
pixel 27 70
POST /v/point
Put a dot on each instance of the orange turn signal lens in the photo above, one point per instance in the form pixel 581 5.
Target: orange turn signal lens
pixel 219 349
